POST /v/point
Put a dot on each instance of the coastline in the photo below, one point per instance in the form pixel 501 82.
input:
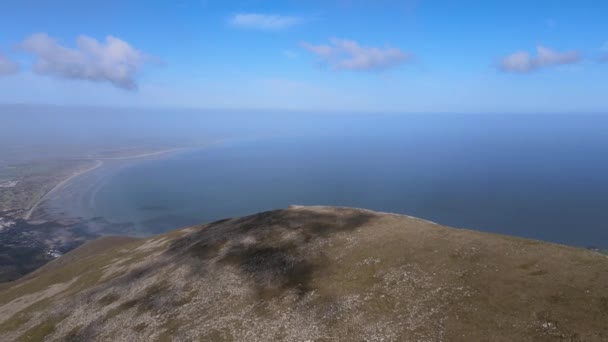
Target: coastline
pixel 58 186
pixel 99 162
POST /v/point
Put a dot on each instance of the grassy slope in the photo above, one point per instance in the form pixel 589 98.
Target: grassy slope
pixel 314 273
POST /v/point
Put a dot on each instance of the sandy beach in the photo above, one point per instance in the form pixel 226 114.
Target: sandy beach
pixel 98 163
pixel 59 185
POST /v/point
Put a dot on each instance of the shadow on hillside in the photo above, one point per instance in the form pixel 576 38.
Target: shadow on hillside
pixel 270 248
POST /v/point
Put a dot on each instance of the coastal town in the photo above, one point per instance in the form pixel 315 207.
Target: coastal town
pixel 29 237
pixel 27 246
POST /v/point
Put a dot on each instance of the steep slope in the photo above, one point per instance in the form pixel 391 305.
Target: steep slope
pixel 314 274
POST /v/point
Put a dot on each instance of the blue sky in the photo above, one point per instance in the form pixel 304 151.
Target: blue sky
pixel 396 56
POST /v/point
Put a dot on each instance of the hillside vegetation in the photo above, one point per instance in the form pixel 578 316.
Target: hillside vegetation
pixel 313 274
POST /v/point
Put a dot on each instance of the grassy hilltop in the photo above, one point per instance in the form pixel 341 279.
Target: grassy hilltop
pixel 313 274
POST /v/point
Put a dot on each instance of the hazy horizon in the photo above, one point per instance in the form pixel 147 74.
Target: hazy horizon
pixel 57 127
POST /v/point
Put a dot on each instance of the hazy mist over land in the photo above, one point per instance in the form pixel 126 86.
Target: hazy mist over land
pixel 81 127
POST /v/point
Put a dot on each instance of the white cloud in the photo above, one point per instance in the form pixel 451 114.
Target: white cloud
pixel 264 21
pixel 349 55
pixel 113 61
pixel 523 62
pixel 7 66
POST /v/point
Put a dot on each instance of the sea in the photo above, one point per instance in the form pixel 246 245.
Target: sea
pixel 541 176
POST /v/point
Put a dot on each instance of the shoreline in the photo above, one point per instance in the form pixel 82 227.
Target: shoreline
pixel 99 162
pixel 58 186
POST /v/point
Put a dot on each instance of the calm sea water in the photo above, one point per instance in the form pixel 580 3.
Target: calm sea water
pixel 540 176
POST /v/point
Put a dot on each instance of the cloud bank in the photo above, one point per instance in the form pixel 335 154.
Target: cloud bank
pixel 7 66
pixel 112 60
pixel 264 21
pixel 343 54
pixel 523 62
